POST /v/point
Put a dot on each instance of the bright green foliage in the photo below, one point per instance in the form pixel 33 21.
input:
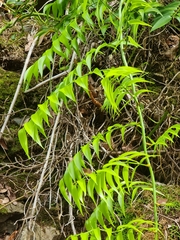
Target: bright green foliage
pixel 114 181
pixel 109 183
pixel 168 135
pixel 167 13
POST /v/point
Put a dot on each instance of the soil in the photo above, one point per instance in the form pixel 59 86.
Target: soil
pixel 161 110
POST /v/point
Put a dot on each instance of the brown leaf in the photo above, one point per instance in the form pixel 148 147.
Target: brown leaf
pixel 162 201
pixel 4 201
pixel 3 190
pixel 87 170
pixel 13 235
pixel 11 195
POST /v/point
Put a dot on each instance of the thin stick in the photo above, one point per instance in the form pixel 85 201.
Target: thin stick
pixel 40 182
pixel 18 87
pixel 47 80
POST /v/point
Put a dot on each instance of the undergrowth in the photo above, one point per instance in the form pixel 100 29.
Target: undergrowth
pixel 112 183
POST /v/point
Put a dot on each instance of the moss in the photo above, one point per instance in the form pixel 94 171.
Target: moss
pixel 3 210
pixel 8 84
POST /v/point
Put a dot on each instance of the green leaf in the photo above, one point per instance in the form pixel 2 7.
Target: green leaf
pixel 79 69
pixel 32 130
pixel 37 119
pixel 161 22
pixel 82 184
pixel 133 42
pixel 121 202
pixel 23 140
pixel 54 101
pixel 68 91
pixel 97 233
pixel 28 76
pixel 108 138
pixel 98 187
pixel 57 48
pixel 74 25
pixel 99 215
pixel 41 65
pixel 84 236
pixel 103 29
pixel 109 233
pixel 96 146
pixel 109 92
pixel 125 173
pixel 49 54
pixel 45 117
pixel 87 18
pixel 90 189
pixel 63 191
pixel 130 234
pixel 110 181
pixel 44 108
pixel 68 181
pixel 74 237
pixel 75 46
pixel 78 161
pixel 35 70
pixel 88 61
pixel 63 39
pixel 47 63
pixel 91 224
pixel 87 152
pixel 83 82
pixel 121 71
pixel 138 22
pixel 71 170
pixel 98 72
pixel 119 236
pixel 76 198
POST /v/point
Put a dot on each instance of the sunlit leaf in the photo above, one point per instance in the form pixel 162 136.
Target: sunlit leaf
pixel 23 140
pixel 63 39
pixel 75 46
pixel 82 184
pixel 97 233
pixel 90 189
pixel 78 161
pixel 83 82
pixel 125 173
pixel 44 108
pixel 87 152
pixel 96 146
pixel 89 61
pixel 63 191
pixel 133 42
pixel 121 71
pixel 87 18
pixel 130 234
pixel 121 202
pixel 138 22
pixel 68 91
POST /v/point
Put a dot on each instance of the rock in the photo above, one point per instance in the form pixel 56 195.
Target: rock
pixel 40 233
pixel 8 218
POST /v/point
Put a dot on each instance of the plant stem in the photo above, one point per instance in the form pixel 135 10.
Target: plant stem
pixel 120 34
